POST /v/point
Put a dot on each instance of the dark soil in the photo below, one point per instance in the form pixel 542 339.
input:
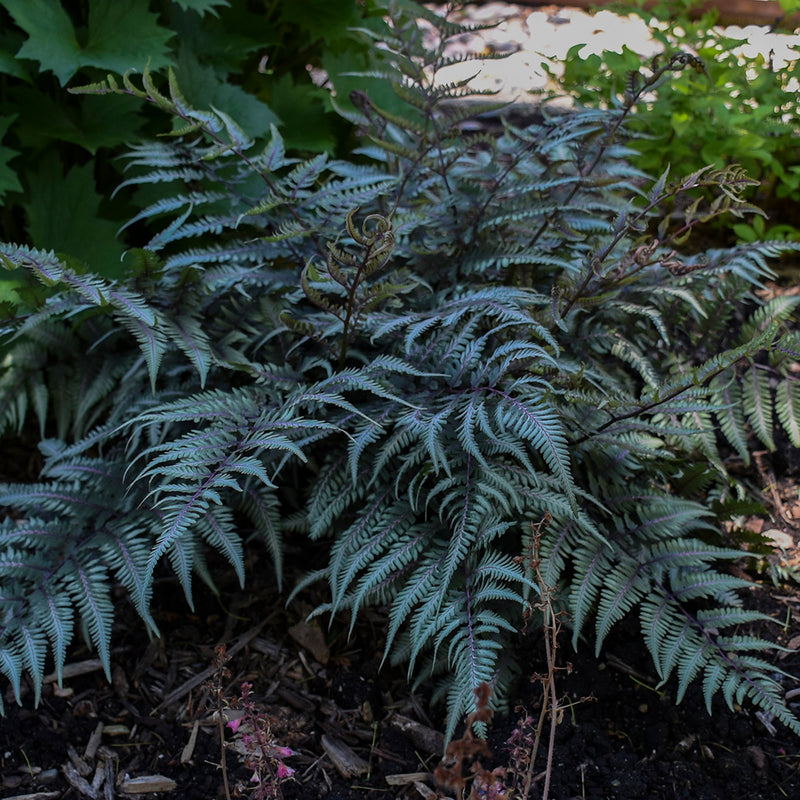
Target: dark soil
pixel 619 736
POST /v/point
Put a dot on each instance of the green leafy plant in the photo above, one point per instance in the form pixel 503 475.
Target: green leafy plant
pixel 733 109
pixel 409 354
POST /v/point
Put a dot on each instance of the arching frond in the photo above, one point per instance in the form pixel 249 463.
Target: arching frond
pixel 408 355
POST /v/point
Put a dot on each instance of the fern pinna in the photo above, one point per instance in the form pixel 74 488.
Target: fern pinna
pixel 411 354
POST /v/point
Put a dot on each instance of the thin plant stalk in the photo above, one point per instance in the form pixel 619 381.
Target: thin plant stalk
pixel 217 687
pixel 551 627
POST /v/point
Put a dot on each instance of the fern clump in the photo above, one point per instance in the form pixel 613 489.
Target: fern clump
pixel 411 354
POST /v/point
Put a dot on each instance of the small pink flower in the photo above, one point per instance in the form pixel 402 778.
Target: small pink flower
pixel 235 723
pixel 284 771
pixel 283 752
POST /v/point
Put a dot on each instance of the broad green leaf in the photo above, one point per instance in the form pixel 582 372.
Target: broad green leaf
pixel 341 67
pixel 204 89
pixel 223 44
pixel 322 19
pixel 51 36
pixel 121 35
pixel 9 182
pixel 8 292
pixel 10 43
pixel 63 216
pixel 88 121
pixel 306 125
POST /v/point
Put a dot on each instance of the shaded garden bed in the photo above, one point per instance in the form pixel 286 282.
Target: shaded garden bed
pixel 619 735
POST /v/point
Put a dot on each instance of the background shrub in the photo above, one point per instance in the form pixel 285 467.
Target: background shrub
pixel 733 108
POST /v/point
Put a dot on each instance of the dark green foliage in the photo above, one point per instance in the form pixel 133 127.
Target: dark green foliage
pixel 248 59
pixel 412 354
pixel 736 109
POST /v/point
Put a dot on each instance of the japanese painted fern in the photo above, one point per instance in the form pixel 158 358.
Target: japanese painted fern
pixel 431 344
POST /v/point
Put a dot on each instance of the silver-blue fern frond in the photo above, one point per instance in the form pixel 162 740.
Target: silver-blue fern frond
pixel 412 355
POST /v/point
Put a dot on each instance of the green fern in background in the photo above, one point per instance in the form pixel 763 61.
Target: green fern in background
pixel 411 354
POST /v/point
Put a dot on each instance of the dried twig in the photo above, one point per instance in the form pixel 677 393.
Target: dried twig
pixel 216 685
pixel 526 743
